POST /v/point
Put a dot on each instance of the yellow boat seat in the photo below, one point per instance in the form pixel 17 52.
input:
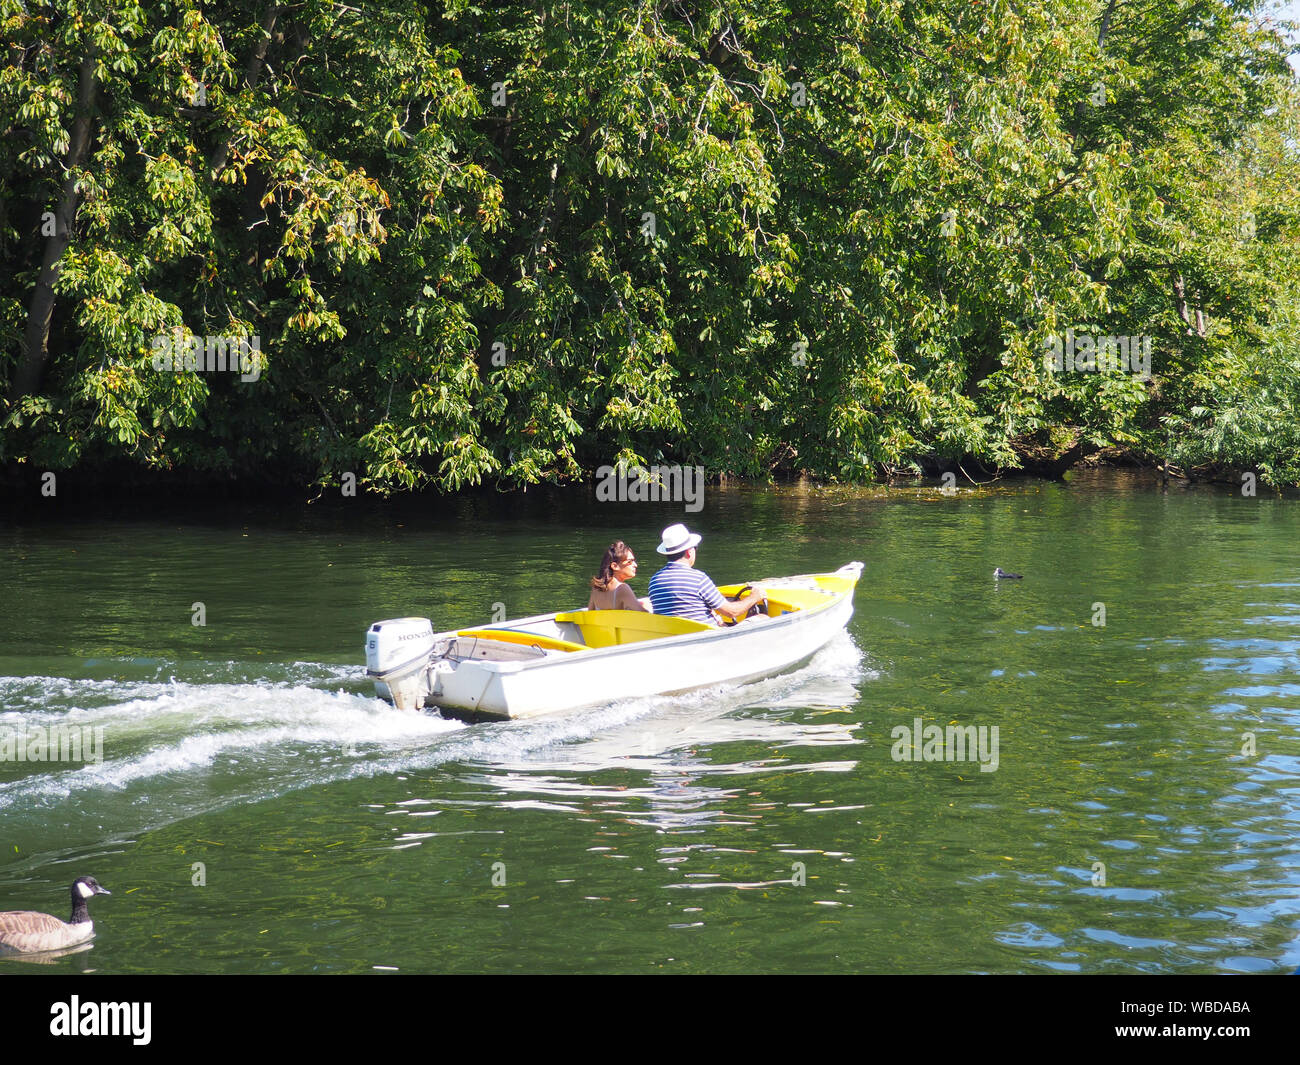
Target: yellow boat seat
pixel 606 628
pixel 785 600
pixel 781 600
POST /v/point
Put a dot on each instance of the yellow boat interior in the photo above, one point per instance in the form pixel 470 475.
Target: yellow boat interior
pixel 581 630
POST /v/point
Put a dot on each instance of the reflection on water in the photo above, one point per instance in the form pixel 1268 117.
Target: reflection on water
pixel 46 957
pixel 672 744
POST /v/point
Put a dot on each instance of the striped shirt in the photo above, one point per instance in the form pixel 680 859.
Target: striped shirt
pixel 680 591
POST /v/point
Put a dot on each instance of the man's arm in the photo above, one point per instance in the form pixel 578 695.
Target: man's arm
pixel 716 601
pixel 741 607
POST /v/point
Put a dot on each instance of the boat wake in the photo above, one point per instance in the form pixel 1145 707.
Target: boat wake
pixel 681 756
pixel 160 750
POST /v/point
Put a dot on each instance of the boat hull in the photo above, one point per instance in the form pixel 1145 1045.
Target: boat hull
pixel 546 678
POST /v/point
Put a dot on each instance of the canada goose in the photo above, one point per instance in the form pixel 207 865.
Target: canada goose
pixel 999 574
pixel 26 931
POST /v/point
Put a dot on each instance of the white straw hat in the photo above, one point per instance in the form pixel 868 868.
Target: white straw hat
pixel 676 539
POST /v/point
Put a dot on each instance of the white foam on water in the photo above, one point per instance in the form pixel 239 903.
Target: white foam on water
pixel 186 727
pixel 56 697
pixel 179 748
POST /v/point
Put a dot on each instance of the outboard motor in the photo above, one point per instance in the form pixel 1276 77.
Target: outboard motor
pixel 397 657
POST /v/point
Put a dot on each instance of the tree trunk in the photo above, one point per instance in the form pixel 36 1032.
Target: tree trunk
pixel 252 72
pixel 1184 311
pixel 1105 26
pixel 1180 300
pixel 15 63
pixel 41 310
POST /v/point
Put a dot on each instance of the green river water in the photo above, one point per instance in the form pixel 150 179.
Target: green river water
pixel 256 810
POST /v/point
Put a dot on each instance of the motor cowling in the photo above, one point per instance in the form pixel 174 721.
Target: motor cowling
pixel 397 657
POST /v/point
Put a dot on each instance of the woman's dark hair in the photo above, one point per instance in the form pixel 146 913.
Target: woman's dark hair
pixel 615 553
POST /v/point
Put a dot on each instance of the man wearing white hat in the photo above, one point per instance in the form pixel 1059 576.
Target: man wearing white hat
pixel 679 589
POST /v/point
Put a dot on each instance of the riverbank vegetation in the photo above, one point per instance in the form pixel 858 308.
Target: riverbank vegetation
pixel 443 244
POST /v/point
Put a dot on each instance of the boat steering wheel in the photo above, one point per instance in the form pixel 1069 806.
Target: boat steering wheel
pixel 757 608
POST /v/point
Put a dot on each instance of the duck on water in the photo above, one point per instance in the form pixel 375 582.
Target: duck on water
pixel 29 932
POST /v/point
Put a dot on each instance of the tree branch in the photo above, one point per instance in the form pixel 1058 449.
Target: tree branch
pixel 252 72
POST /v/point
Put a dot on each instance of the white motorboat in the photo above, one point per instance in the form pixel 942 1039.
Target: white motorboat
pixel 577 658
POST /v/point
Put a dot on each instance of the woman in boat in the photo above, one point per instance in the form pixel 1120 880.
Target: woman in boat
pixel 609 588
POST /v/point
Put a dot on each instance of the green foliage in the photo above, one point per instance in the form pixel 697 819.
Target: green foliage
pixel 514 242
